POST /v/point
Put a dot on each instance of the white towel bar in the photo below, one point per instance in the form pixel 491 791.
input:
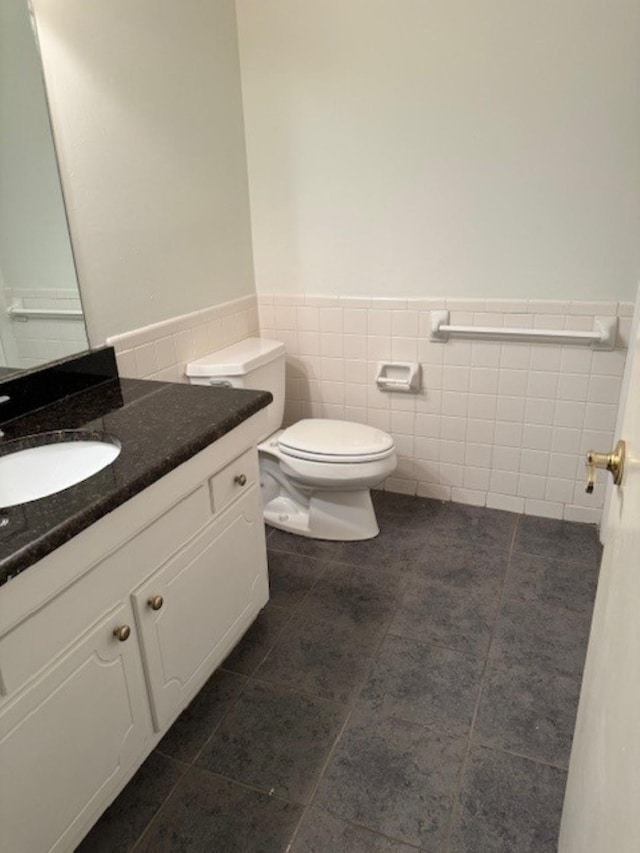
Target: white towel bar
pixel 44 313
pixel 603 336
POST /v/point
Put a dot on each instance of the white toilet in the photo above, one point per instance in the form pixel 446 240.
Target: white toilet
pixel 315 475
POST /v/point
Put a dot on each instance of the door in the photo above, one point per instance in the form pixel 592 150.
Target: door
pixel 195 609
pixel 602 801
pixel 69 740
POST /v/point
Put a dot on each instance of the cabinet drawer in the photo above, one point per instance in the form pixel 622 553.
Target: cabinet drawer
pixel 237 477
pixel 36 641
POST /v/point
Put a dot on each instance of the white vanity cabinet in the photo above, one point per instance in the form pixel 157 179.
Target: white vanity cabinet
pixel 105 640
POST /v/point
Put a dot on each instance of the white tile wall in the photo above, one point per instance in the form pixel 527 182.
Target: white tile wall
pixel 44 339
pixel 504 425
pixel 162 350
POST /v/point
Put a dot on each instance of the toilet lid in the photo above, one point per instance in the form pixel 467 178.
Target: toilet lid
pixel 328 440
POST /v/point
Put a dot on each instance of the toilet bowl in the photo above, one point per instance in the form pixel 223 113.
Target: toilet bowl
pixel 316 478
pixel 315 475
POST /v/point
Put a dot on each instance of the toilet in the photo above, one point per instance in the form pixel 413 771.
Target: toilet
pixel 315 475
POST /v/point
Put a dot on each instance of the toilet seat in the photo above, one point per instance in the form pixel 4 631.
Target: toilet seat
pixel 333 441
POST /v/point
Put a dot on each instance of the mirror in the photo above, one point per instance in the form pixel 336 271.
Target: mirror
pixel 41 315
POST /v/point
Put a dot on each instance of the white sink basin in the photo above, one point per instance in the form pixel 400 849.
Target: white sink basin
pixel 36 472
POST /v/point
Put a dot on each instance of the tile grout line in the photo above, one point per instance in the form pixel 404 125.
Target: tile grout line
pixel 276 639
pixel 530 758
pixel 319 780
pixel 347 720
pixel 458 789
pixel 160 807
pixel 216 776
pixel 190 765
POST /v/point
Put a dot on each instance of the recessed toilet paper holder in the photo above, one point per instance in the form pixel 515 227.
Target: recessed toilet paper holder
pixel 399 376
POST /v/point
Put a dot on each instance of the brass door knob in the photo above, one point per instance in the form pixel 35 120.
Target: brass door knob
pixel 155 602
pixel 240 479
pixel 122 633
pixel 613 462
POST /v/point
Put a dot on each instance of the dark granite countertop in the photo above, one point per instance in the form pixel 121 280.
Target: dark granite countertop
pixel 158 425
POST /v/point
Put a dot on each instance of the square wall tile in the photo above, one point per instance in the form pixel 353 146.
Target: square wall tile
pixel 451 475
pixel 567 466
pixel 510 408
pixel 542 384
pixel 454 403
pixel 531 486
pixel 560 491
pixel 604 389
pixel 455 378
pixel 539 411
pixel 404 324
pixel 309 343
pixel 457 352
pixel 515 356
pixel 478 455
pixel 404 349
pixel 484 380
pixel 486 354
pixel 403 422
pixel 573 386
pixel 356 370
pixel 508 434
pixel 378 348
pixel 503 482
pixel 355 321
pixel 546 358
pixel 430 353
pixel 599 416
pixel 482 406
pixel 427 448
pixel 534 462
pixel 331 344
pixel 429 425
pixel 536 437
pixel 543 509
pixel 479 430
pixel 308 318
pixel 569 415
pixel 507 502
pixel 478 480
pixel 609 363
pixel 379 323
pixel 506 458
pixel 331 320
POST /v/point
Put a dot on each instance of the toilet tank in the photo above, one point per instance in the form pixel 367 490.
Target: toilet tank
pixel 254 363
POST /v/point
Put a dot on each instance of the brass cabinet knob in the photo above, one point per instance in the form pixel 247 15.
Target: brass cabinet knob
pixel 240 479
pixel 122 633
pixel 155 602
pixel 612 462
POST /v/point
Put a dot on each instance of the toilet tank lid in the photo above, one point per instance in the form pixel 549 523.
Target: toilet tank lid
pixel 237 359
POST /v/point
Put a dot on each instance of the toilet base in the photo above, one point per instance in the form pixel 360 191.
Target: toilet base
pixel 339 516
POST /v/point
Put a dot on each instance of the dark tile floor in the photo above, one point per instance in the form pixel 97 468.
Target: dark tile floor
pixel 417 691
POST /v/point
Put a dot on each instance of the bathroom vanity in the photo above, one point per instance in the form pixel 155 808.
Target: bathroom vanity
pixel 121 595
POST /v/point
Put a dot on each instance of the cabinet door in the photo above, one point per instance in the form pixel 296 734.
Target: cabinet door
pixel 210 592
pixel 70 738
